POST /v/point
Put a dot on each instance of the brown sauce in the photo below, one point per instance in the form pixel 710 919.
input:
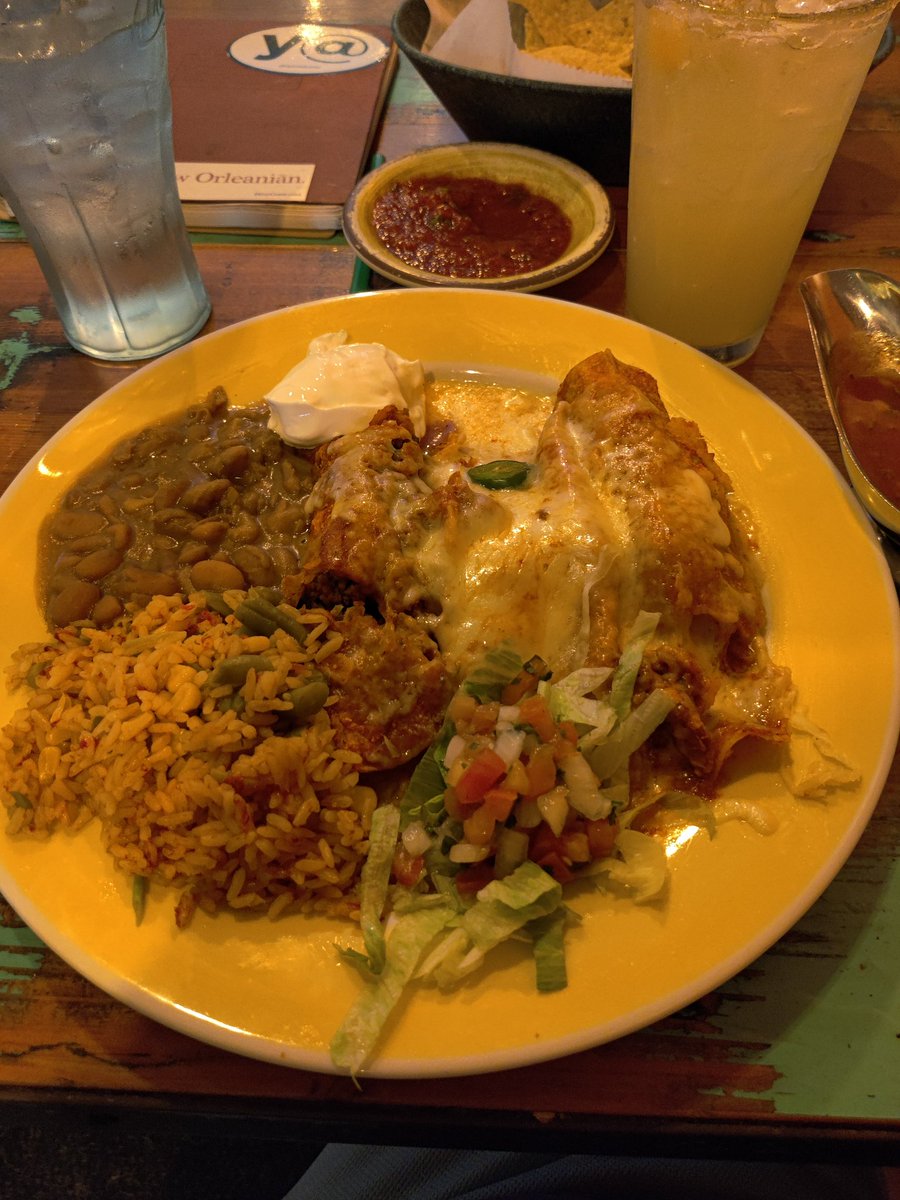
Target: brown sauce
pixel 869 408
pixel 208 500
pixel 471 228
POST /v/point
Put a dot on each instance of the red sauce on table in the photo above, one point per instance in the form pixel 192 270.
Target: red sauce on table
pixel 470 227
pixel 869 408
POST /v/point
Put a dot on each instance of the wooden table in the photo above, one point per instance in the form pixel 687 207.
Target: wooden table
pixel 798 1057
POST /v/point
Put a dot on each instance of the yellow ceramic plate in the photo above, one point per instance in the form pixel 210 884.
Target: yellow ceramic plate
pixel 276 990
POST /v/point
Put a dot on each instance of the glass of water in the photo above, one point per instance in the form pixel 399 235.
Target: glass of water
pixel 86 165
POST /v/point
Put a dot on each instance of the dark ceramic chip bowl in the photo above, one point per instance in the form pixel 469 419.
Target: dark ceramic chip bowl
pixel 589 126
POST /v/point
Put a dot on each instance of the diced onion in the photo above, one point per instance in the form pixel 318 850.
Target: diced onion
pixel 416 839
pixel 509 713
pixel 509 745
pixel 454 749
pixel 465 852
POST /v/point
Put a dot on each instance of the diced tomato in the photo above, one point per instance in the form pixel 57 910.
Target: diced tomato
pixel 533 711
pixel 556 865
pixel 563 748
pixel 541 770
pixel 472 879
pixel 525 683
pixel 482 772
pixel 543 842
pixel 548 851
pixel 499 802
pixel 601 837
pixel 407 869
pixel 569 732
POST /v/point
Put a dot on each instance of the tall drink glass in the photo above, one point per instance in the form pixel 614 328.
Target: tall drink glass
pixel 738 108
pixel 86 165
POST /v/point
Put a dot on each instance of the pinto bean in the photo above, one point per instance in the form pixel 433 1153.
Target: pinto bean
pixel 69 524
pixel 73 602
pixel 232 462
pixel 173 522
pixel 192 552
pixel 120 535
pixel 256 565
pixel 99 563
pixel 106 610
pixel 211 532
pixel 205 496
pixel 135 581
pixel 216 575
pixel 170 492
pixel 246 530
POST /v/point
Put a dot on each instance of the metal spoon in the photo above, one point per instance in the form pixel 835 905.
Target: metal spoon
pixel 856 313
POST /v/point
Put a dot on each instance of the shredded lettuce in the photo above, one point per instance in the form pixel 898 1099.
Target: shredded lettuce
pixel 498 668
pixel 607 757
pixel 423 797
pixel 569 698
pixel 621 689
pixel 355 1041
pixel 548 938
pixel 502 909
pixel 374 880
pixel 815 767
pixel 639 867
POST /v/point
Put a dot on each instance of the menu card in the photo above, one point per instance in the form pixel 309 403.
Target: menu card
pixel 273 124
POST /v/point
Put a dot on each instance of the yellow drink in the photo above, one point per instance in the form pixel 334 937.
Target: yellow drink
pixel 736 118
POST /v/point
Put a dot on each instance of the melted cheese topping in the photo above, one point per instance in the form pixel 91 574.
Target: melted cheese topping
pixel 520 562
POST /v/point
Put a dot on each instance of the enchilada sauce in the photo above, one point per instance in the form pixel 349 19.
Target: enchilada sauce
pixel 470 227
pixel 869 407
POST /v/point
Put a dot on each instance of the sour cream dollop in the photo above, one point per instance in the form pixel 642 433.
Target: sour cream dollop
pixel 339 387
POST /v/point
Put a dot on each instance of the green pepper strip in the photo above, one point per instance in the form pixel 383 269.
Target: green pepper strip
pixel 215 602
pixel 139 897
pixel 502 473
pixel 268 612
pixel 308 699
pixel 234 671
pixel 253 621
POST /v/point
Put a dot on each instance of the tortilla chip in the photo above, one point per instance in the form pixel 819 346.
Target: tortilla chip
pixel 552 17
pixel 575 34
pixel 572 56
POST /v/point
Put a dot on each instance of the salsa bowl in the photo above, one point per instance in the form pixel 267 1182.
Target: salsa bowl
pixel 550 178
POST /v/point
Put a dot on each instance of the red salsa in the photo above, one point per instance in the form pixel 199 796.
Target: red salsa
pixel 471 228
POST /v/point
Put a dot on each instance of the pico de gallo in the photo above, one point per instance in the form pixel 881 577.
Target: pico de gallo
pixel 525 791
